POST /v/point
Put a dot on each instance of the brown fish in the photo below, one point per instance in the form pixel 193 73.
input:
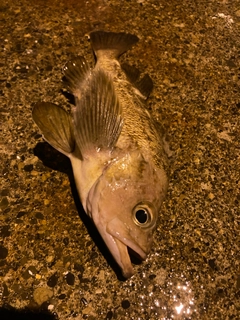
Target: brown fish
pixel 117 154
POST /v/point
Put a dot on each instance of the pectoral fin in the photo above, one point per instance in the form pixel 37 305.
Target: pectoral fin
pixel 56 126
pixel 98 115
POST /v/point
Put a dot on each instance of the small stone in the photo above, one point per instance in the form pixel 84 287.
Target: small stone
pixel 26 275
pixel 212 264
pixel 109 315
pixel 78 267
pixel 98 291
pixel 196 160
pixel 125 304
pixel 52 281
pixel 62 296
pixel 42 294
pixel 4 232
pixel 4 203
pixel 28 167
pixel 49 259
pixel 87 310
pixel 70 279
pixel 34 173
pixel 50 307
pixel 211 196
pixel 101 275
pixel 21 214
pixel 84 301
pixel 32 270
pixel 66 241
pixel 3 252
pixel 4 192
pixel 237 13
pixel 5 290
pixel 39 215
pixel 152 276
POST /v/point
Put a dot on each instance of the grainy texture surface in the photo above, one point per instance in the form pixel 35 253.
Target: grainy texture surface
pixel 52 261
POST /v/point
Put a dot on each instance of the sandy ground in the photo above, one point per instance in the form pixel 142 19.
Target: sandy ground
pixel 53 264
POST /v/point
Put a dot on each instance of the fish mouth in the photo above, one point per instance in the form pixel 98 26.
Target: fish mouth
pixel 124 246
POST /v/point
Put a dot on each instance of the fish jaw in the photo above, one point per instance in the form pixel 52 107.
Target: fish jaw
pixel 124 240
pixel 122 257
pixel 125 237
pixel 118 244
pixel 118 239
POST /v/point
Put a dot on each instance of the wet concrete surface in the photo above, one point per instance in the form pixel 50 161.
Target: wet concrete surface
pixel 53 264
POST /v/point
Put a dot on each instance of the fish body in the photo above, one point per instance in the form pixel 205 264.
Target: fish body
pixel 116 152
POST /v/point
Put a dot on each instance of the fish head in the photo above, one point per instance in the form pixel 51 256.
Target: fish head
pixel 124 204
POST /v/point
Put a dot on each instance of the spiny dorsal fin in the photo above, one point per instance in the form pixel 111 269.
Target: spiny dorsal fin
pixel 144 85
pixel 132 73
pixel 98 115
pixel 76 72
pixel 114 44
pixel 56 126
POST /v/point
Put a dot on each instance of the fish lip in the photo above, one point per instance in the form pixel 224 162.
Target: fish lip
pixel 123 241
pixel 133 246
pixel 124 259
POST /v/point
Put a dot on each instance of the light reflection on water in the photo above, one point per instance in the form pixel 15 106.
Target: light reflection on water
pixel 183 301
pixel 185 308
pixel 178 301
pixel 166 295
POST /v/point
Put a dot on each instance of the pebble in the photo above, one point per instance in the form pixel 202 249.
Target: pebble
pixel 3 252
pixel 42 294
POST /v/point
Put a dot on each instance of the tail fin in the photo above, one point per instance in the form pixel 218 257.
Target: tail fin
pixel 114 43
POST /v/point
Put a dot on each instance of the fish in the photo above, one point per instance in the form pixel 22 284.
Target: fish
pixel 116 151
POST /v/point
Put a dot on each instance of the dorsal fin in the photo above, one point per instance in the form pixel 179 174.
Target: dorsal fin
pixel 56 126
pixel 114 44
pixel 132 73
pixel 98 115
pixel 144 84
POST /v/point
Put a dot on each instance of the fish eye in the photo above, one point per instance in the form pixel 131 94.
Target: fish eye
pixel 143 215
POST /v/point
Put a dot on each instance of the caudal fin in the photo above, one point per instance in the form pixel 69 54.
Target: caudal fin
pixel 113 44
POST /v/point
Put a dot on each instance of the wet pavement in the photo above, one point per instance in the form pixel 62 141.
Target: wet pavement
pixel 53 264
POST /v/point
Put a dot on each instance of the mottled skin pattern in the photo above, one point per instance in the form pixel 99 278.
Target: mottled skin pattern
pixel 139 131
